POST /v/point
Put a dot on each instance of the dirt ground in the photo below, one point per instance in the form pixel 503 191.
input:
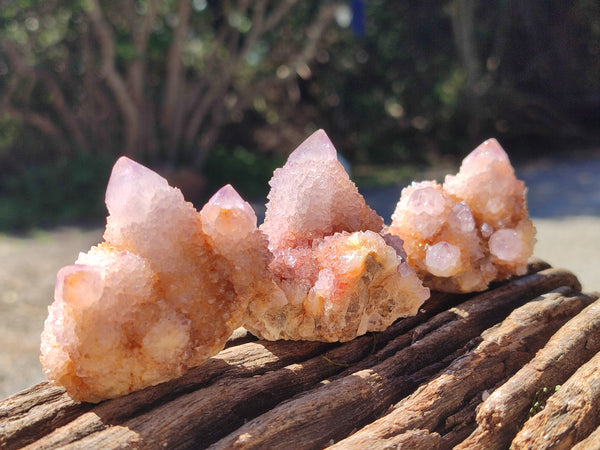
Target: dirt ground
pixel 565 211
pixel 28 267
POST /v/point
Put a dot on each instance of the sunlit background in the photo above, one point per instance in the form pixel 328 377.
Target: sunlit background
pixel 211 92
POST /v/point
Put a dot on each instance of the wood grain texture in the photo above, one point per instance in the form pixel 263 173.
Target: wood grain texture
pixel 569 415
pixel 429 373
pixel 503 413
pixel 503 350
pixel 335 409
pixel 592 442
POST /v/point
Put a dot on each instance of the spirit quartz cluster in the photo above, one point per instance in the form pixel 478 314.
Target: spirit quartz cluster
pixel 162 294
pixel 169 284
pixel 471 230
pixel 340 276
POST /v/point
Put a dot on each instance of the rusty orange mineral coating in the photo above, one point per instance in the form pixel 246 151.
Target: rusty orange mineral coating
pixel 161 295
pixel 471 230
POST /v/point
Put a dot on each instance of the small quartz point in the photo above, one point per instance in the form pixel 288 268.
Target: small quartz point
pixel 471 230
pixel 160 295
pixel 338 275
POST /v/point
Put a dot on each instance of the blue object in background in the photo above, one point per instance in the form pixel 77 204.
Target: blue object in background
pixel 358 17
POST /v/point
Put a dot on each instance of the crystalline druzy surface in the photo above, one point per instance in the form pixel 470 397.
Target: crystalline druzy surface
pixel 472 230
pixel 161 294
pixel 312 196
pixel 338 275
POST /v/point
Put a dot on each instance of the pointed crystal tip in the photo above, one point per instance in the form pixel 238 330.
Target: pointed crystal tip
pixel 125 164
pixel 228 198
pixel 489 151
pixel 129 169
pixel 317 146
pixel 131 190
pixel 131 183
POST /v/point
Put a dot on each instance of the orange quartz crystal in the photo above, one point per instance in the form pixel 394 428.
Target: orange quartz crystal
pixel 160 295
pixel 471 230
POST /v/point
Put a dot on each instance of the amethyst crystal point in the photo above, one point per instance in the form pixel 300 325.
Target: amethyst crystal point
pixel 312 196
pixel 161 295
pixel 227 212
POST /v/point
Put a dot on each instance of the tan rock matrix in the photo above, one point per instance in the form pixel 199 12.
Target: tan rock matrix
pixel 340 277
pixel 471 230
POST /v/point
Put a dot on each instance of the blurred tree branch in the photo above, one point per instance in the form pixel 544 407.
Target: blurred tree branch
pixel 527 64
pixel 150 79
pixel 160 81
pixel 39 120
pixel 114 79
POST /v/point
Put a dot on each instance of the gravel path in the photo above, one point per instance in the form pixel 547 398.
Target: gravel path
pixel 564 201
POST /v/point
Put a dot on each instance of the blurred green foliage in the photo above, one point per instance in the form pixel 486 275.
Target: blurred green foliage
pixel 396 85
pixel 249 172
pixel 404 92
pixel 48 194
pixel 394 91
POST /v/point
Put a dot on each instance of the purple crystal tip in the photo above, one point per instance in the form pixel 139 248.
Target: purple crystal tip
pixel 488 152
pixel 228 198
pixel 131 187
pixel 317 146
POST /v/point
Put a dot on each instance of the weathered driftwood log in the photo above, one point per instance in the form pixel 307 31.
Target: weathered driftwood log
pixel 504 349
pixel 281 394
pixel 413 440
pixel 237 362
pixel 334 409
pixel 33 413
pixel 592 442
pixel 570 414
pixel 53 408
pixel 462 423
pixel 503 413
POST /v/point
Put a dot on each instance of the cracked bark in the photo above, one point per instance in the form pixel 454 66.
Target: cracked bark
pixel 570 414
pixel 503 350
pixel 505 410
pixel 258 394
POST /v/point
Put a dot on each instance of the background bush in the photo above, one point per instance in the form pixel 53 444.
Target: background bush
pixel 228 89
pixel 46 194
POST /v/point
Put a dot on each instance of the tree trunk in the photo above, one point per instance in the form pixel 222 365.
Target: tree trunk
pixel 127 106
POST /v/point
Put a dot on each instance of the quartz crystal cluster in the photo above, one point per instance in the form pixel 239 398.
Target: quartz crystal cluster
pixel 161 294
pixel 169 284
pixel 339 276
pixel 471 230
